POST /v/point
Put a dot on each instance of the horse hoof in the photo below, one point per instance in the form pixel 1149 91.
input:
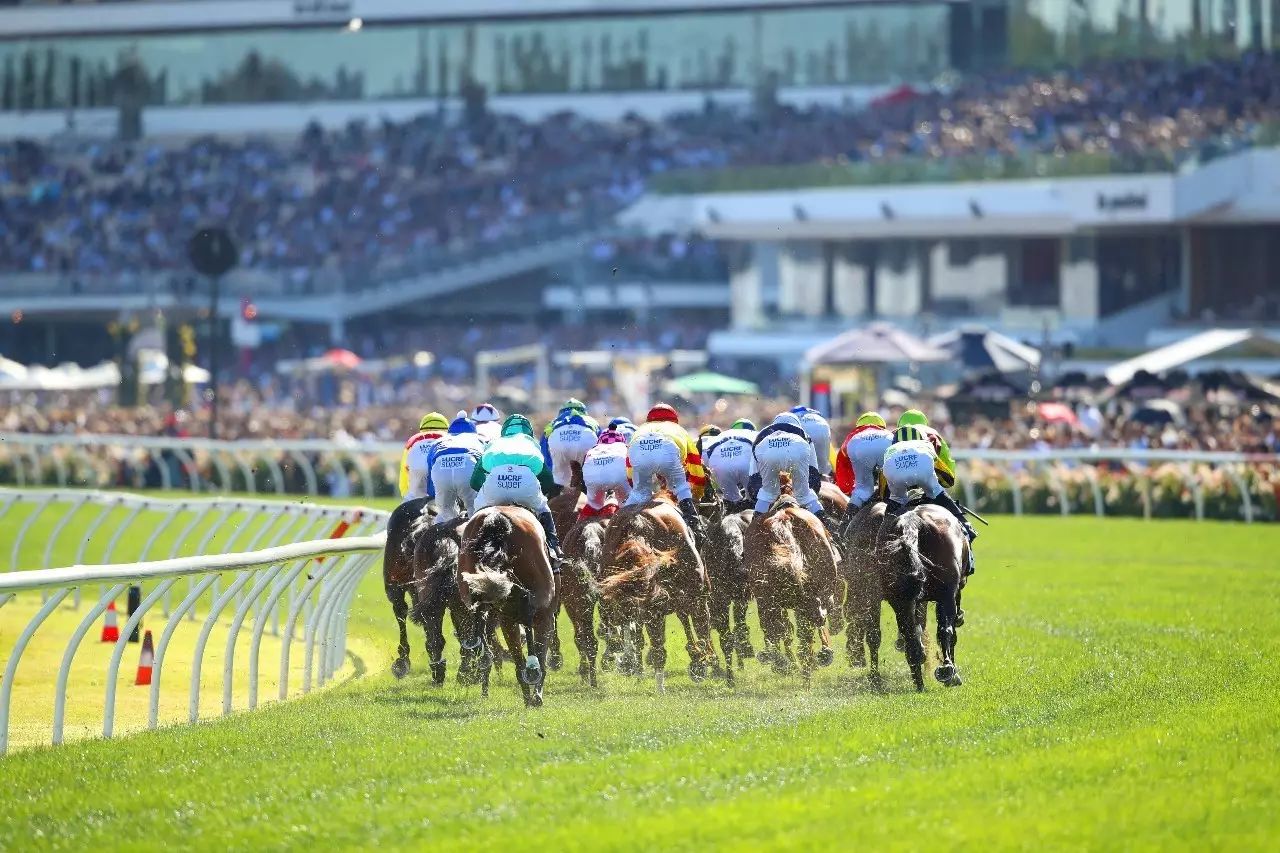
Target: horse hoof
pixel 857 659
pixel 555 661
pixel 400 668
pixel 900 644
pixel 438 673
pixel 533 700
pixel 697 671
pixel 945 673
pixel 826 656
pixel 959 619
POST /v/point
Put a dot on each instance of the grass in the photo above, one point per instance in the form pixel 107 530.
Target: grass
pixel 1118 694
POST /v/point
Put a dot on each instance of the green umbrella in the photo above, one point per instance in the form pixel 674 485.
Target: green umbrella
pixel 707 382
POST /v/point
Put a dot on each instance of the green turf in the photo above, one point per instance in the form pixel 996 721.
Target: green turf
pixel 1119 693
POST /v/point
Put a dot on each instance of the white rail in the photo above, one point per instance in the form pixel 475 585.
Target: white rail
pixel 309 583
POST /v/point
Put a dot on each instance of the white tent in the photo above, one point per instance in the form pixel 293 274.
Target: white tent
pixel 1183 352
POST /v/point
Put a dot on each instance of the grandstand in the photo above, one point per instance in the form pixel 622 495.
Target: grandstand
pixel 734 169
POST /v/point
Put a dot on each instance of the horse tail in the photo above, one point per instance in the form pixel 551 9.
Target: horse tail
pixel 783 549
pixel 911 583
pixel 575 477
pixel 640 582
pixel 784 484
pixel 490 582
pixel 593 544
pixel 436 582
pixel 420 523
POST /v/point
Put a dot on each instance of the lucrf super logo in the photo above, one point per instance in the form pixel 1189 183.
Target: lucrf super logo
pixel 649 443
pixel 509 481
pixel 779 441
pixel 570 433
pixel 730 451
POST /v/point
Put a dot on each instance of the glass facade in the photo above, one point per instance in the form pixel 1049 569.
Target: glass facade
pixel 857 44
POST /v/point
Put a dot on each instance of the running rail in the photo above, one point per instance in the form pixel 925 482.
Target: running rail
pixel 308 583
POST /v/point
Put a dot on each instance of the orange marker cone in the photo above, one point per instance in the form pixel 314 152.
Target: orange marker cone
pixel 110 628
pixel 145 660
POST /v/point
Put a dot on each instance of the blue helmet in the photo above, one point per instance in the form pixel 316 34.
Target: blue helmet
pixel 461 424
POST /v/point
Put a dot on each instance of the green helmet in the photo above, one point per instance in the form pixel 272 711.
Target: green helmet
pixel 516 425
pixel 743 423
pixel 575 405
pixel 913 417
pixel 910 432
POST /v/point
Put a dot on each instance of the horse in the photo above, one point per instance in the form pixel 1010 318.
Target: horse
pixel 583 549
pixel 836 505
pixel 564 514
pixel 503 572
pixel 793 567
pixel 922 555
pixel 397 570
pixel 652 568
pixel 435 577
pixel 722 553
pixel 862 577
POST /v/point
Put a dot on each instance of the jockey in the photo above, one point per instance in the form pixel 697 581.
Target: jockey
pixel 661 446
pixel 624 426
pixel 605 470
pixel 784 446
pixel 819 431
pixel 452 461
pixel 860 456
pixel 567 439
pixel 920 458
pixel 487 420
pixel 512 473
pixel 728 459
pixel 415 463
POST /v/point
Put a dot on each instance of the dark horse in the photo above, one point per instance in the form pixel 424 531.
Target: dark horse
pixel 793 567
pixel 504 574
pixel 652 568
pixel 397 570
pixel 921 556
pixel 723 554
pixel 435 575
pixel 583 549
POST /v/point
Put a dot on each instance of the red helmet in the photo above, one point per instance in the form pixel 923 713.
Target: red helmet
pixel 663 412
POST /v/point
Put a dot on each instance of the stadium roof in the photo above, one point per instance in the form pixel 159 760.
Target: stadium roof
pixel 878 343
pixel 1183 352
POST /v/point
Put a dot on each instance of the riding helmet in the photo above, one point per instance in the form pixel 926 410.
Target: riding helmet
pixel 913 417
pixel 744 423
pixel 910 432
pixel 787 418
pixel 573 404
pixel 433 420
pixel 484 413
pixel 870 419
pixel 663 412
pixel 516 424
pixel 709 429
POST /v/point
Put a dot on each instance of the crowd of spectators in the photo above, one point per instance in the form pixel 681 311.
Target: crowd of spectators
pixel 368 200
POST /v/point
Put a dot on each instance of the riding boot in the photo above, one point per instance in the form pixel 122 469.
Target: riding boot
pixel 548 523
pixel 892 507
pixel 695 522
pixel 948 503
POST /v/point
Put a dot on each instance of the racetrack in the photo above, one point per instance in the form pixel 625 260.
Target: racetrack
pixel 1119 692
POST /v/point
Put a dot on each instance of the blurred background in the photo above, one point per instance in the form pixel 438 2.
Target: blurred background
pixel 1053 224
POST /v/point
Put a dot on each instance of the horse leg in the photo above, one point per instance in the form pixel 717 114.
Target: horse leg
pixel 701 618
pixel 835 612
pixel 946 613
pixel 720 623
pixel 484 656
pixel 433 627
pixel 656 626
pixel 871 627
pixel 690 641
pixel 856 619
pixel 581 613
pixel 511 633
pixel 909 630
pixel 742 631
pixel 775 626
pixel 804 638
pixel 398 596
pixel 541 629
pixel 555 660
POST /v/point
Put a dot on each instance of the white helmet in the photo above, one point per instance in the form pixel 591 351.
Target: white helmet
pixel 788 418
pixel 485 413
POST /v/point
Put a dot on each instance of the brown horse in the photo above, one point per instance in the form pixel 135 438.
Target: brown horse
pixel 793 567
pixel 652 568
pixel 403 527
pixel 435 576
pixel 583 549
pixel 723 555
pixel 862 575
pixel 836 505
pixel 504 575
pixel 922 554
pixel 564 513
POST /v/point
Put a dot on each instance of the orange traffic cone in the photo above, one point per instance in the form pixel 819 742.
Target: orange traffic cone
pixel 145 660
pixel 110 629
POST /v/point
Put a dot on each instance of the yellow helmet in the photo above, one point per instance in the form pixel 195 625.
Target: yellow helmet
pixel 870 419
pixel 708 429
pixel 433 420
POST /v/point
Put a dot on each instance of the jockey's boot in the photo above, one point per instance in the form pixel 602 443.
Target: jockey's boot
pixel 696 524
pixel 948 503
pixel 892 507
pixel 548 523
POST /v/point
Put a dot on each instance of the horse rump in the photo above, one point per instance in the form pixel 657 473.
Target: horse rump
pixel 639 582
pixel 909 583
pixel 435 583
pixel 491 583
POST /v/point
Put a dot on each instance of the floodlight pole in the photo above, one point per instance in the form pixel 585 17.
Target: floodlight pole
pixel 215 284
